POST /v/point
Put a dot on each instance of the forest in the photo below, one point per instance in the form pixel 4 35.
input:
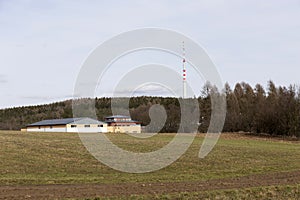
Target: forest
pixel 274 110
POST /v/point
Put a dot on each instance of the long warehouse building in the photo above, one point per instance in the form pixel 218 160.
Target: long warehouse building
pixel 114 124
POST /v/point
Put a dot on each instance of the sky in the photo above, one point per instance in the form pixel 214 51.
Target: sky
pixel 43 44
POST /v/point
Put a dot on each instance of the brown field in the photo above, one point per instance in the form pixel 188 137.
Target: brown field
pixel 57 166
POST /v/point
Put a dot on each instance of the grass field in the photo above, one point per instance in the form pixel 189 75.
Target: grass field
pixel 273 192
pixel 60 158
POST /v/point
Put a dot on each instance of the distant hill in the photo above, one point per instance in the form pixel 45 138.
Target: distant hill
pixel 275 111
pixel 16 118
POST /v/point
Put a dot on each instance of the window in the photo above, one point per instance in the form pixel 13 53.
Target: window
pixel 100 125
pixel 87 126
pixel 73 126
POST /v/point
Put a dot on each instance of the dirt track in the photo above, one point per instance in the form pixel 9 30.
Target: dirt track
pixel 126 189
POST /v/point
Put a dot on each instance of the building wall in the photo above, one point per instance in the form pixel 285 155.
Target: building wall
pixel 122 123
pixel 67 128
pixel 57 128
pixel 82 129
pixel 124 129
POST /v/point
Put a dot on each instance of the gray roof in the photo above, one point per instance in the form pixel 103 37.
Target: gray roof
pixel 65 121
pixel 112 119
pixel 118 116
pixel 86 121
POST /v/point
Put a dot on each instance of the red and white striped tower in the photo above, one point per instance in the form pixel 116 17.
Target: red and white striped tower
pixel 184 71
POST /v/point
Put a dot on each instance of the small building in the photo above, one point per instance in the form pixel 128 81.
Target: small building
pixel 122 124
pixel 86 125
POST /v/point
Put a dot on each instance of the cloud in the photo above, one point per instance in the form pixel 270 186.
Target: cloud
pixel 3 78
pixel 152 89
pixel 251 41
pixel 46 98
pixel 146 90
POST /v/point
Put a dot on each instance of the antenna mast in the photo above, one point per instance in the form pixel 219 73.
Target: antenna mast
pixel 184 71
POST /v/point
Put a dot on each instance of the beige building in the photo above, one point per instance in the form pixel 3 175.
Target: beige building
pixel 122 124
pixel 112 124
pixel 85 125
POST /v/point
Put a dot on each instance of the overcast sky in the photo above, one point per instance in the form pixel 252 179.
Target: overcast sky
pixel 44 43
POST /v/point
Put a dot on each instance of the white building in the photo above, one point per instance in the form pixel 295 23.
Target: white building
pixel 85 125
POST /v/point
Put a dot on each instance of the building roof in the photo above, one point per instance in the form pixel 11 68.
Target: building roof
pixel 84 120
pixel 131 123
pixel 118 119
pixel 119 116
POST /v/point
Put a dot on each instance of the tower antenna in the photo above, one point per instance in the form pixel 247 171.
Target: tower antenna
pixel 184 71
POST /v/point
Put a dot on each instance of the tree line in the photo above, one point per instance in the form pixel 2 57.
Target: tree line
pixel 274 110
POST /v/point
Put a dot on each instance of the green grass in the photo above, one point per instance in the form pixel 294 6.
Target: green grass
pixel 59 158
pixel 267 193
